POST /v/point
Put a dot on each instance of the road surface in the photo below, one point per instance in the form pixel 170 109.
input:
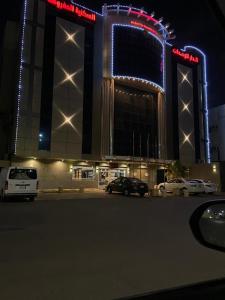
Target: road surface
pixel 97 246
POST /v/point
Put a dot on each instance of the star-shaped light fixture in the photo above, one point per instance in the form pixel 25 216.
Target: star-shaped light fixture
pixel 186 138
pixel 70 37
pixel 68 120
pixel 185 77
pixel 69 77
pixel 186 107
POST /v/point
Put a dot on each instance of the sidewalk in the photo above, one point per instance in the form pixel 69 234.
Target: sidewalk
pixel 71 194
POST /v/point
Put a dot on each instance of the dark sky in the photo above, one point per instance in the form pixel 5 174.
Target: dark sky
pixel 194 23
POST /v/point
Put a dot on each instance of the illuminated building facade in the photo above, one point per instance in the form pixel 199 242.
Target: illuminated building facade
pixel 104 94
pixel 187 106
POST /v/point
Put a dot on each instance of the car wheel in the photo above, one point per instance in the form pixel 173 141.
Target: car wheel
pixel 162 188
pixel 110 190
pixel 126 192
pixel 142 194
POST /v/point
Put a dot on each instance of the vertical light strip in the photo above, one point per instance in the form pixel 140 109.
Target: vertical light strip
pixel 112 51
pixel 20 72
pixel 206 99
pixel 164 67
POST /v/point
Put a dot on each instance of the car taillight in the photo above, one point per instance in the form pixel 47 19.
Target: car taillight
pixel 37 186
pixel 6 185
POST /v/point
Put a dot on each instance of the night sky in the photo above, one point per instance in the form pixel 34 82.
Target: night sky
pixel 194 23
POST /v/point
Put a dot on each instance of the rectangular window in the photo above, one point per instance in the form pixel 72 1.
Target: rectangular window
pixel 83 172
pixel 23 174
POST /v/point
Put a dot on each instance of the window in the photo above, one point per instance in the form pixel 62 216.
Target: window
pixel 23 174
pixel 135 180
pixel 117 180
pixel 83 173
pixel 171 181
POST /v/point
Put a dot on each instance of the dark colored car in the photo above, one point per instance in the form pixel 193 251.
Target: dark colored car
pixel 127 186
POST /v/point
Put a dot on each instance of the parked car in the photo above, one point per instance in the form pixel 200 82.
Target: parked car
pixel 127 186
pixel 18 182
pixel 210 187
pixel 181 184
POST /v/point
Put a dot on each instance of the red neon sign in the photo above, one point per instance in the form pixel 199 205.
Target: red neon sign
pixel 62 5
pixel 186 56
pixel 149 18
pixel 138 24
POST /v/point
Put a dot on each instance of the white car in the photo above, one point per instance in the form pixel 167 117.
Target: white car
pixel 182 185
pixel 18 182
pixel 210 187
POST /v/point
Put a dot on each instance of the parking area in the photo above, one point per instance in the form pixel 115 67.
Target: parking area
pixel 101 194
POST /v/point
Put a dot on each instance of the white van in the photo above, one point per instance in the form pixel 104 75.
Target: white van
pixel 18 182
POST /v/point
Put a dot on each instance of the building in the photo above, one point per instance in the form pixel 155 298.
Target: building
pixel 101 94
pixel 216 129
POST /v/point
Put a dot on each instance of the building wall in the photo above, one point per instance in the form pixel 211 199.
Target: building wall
pixel 200 117
pixel 217 135
pixel 67 111
pixel 55 174
pixel 107 117
pixel 186 115
pixel 55 107
pixel 169 107
pixel 162 134
pixel 8 86
pixel 189 114
pixel 29 102
pixel 97 91
pixel 108 95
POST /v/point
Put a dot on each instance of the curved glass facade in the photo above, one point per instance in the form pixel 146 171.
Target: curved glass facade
pixel 136 53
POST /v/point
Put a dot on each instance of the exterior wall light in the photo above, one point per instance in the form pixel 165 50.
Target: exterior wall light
pixel 186 107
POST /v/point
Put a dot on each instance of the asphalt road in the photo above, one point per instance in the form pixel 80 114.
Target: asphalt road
pixel 100 247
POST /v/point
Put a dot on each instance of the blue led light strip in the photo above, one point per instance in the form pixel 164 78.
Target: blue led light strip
pixel 162 89
pixel 86 8
pixel 20 72
pixel 169 44
pixel 127 7
pixel 206 98
pixel 155 85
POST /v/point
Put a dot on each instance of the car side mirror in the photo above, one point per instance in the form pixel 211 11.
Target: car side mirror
pixel 208 225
